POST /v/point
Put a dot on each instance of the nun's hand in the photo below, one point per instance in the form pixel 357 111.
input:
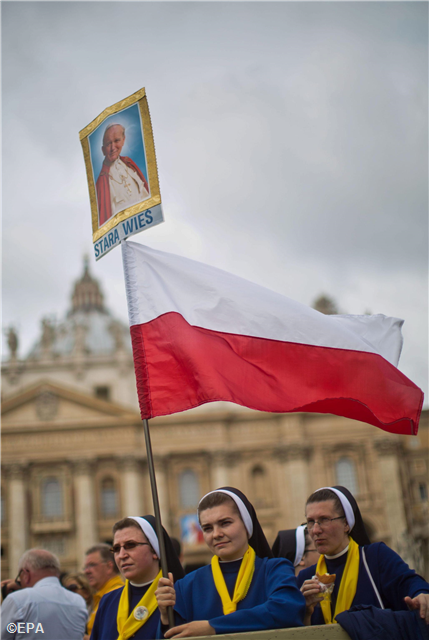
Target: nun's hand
pixel 165 596
pixel 195 628
pixel 310 589
pixel 420 602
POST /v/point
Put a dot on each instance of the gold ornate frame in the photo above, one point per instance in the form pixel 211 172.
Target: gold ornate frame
pixel 155 199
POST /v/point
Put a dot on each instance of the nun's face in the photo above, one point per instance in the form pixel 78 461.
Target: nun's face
pixel 139 564
pixel 224 532
pixel 331 536
pixel 310 557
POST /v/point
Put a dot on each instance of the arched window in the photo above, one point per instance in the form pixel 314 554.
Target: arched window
pixel 259 485
pixel 346 474
pixel 3 507
pixel 52 498
pixel 423 492
pixel 189 489
pixel 109 498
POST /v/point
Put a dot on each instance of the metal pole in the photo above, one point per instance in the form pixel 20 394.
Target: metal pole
pixel 157 510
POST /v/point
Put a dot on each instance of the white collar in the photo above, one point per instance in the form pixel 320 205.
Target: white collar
pixel 337 555
pixel 226 561
pixel 143 584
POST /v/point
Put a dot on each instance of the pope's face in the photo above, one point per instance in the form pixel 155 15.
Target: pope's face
pixel 113 142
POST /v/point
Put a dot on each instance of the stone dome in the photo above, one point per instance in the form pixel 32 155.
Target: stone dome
pixel 88 328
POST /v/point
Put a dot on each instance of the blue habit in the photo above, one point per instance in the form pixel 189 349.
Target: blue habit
pixel 105 627
pixel 272 602
pixel 366 623
pixel 392 576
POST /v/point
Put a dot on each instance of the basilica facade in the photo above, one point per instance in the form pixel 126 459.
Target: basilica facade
pixel 74 459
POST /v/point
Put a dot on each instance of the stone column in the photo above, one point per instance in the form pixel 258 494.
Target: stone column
pixel 388 454
pixel 131 485
pixel 17 516
pixel 162 486
pixel 85 508
pixel 220 475
pixel 295 490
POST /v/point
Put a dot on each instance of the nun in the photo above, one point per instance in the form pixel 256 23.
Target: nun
pixel 296 546
pixel 132 612
pixel 244 588
pixel 365 573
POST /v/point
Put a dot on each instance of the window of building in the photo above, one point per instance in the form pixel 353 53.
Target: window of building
pixel 259 485
pixel 102 393
pixel 423 491
pixel 346 474
pixel 189 489
pixel 3 512
pixel 54 544
pixel 52 498
pixel 109 498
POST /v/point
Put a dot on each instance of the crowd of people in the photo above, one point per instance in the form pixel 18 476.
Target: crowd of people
pixel 323 572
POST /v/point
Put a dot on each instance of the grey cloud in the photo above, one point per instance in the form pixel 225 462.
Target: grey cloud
pixel 290 137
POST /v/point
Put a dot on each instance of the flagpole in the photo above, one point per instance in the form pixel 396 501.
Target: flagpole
pixel 158 523
pixel 155 499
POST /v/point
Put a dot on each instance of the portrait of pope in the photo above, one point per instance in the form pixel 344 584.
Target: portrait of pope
pixel 121 183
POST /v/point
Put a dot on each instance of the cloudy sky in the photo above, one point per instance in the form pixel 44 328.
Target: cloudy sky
pixel 291 141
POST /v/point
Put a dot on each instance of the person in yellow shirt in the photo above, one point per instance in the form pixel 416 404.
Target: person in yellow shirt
pixel 103 576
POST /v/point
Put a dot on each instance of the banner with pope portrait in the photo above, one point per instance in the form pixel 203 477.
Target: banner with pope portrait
pixel 122 175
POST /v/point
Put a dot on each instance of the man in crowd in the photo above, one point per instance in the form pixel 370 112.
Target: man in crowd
pixel 37 605
pixel 102 573
pixel 120 184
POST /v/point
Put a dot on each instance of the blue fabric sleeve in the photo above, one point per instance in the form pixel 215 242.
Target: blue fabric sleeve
pixel 284 606
pixel 95 633
pixel 393 577
pixel 181 614
pixel 178 619
pixel 305 574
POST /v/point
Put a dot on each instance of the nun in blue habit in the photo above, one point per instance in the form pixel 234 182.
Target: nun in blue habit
pixel 366 574
pixel 131 611
pixel 243 589
pixel 296 545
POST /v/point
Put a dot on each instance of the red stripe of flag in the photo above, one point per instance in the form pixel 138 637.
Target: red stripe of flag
pixel 179 366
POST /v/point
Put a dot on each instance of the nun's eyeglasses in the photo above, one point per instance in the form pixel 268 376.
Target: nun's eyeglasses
pixel 322 522
pixel 127 546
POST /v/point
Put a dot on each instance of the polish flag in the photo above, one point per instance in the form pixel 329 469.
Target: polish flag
pixel 200 334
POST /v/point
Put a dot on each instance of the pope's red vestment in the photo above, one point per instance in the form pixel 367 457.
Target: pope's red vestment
pixel 103 189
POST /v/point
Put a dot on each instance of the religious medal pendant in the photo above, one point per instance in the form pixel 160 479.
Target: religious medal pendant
pixel 140 613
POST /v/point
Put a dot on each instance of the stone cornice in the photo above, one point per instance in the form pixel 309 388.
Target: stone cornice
pixel 15 470
pixel 293 451
pixel 387 447
pixel 343 447
pixel 225 458
pixel 130 463
pixel 83 467
pixel 77 396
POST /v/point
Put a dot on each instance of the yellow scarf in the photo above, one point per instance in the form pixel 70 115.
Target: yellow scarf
pixel 129 625
pixel 242 584
pixel 348 584
pixel 114 583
